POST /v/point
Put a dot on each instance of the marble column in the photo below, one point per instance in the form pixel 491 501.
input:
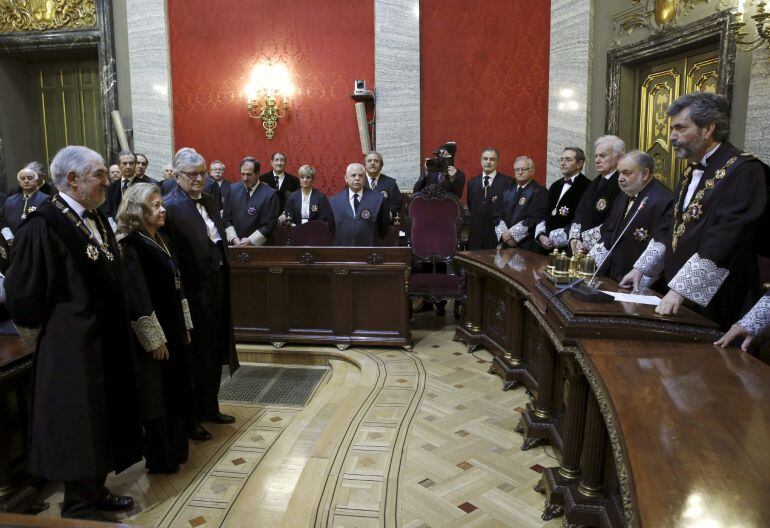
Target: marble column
pixel 148 50
pixel 569 79
pixel 757 140
pixel 397 81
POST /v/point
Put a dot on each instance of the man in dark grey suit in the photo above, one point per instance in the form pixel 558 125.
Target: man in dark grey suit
pixel 217 177
pixel 278 179
pixel 361 216
pixel 385 185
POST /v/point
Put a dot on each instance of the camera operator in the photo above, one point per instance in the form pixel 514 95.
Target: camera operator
pixel 440 170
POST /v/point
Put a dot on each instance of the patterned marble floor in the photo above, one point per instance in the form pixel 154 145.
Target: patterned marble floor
pixel 390 438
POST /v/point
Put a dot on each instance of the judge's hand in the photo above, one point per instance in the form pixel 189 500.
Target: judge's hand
pixel 669 304
pixel 160 353
pixel 451 170
pixel 545 242
pixel 631 280
pixel 282 219
pixel 506 237
pixel 734 333
pixel 243 242
pixel 235 241
pixel 577 246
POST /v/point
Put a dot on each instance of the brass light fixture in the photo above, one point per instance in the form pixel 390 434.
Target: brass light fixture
pixel 267 95
pixel 760 19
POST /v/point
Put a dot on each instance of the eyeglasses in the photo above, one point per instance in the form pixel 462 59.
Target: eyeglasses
pixel 522 169
pixel 194 175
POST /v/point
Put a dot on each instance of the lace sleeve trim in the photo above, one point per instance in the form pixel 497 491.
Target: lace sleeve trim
pixel 149 332
pixel 651 261
pixel 699 280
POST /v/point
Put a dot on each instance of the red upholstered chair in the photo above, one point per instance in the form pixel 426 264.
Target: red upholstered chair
pixel 312 233
pixel 433 231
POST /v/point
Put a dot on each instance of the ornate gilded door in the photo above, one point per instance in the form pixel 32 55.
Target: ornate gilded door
pixel 660 83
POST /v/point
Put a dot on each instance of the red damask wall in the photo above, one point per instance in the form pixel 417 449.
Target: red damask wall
pixel 484 79
pixel 326 45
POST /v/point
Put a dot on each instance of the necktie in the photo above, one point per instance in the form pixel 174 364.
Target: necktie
pixel 124 185
pixel 374 184
pixel 630 206
pixel 90 214
pixel 697 166
pixel 277 182
pixel 568 182
pixel 517 196
pixel 356 203
pixel 486 185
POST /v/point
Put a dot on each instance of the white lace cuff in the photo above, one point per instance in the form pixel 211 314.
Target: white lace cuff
pixel 591 236
pixel 574 231
pixel 540 229
pixel 757 321
pixel 257 238
pixel 28 335
pixel 599 253
pixel 187 317
pixel 519 232
pixel 558 237
pixel 7 233
pixel 699 280
pixel 149 332
pixel 499 229
pixel 652 260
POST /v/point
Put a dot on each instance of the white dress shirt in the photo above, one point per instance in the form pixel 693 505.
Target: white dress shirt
pixel 565 188
pixel 305 212
pixel 696 176
pixel 211 228
pixel 80 210
pixel 350 199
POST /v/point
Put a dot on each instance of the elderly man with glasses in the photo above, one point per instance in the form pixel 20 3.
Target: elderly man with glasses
pixel 523 206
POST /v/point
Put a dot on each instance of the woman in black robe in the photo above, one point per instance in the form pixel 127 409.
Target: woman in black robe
pixel 161 322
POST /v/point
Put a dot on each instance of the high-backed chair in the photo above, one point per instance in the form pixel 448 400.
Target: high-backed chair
pixel 312 233
pixel 433 232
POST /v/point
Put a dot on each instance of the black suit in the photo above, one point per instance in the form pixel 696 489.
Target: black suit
pixel 224 188
pixel 205 272
pixel 520 211
pixel 246 214
pixel 454 185
pixel 14 208
pixel 559 213
pixel 482 209
pixel 594 208
pixel 388 188
pixel 319 207
pixel 289 184
pixel 652 223
pixel 210 187
pixel 368 226
pixel 115 194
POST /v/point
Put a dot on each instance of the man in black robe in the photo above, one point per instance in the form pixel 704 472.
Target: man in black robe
pixel 252 210
pixel 382 183
pixel 361 216
pixel 280 180
pixel 642 192
pixel 563 198
pixel 521 208
pixel 483 193
pixel 595 205
pixel 128 177
pixel 65 292
pixel 216 181
pixel 721 198
pixel 196 230
pixel 19 206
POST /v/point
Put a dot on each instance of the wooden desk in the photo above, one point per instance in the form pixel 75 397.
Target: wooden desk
pixel 325 295
pixel 15 383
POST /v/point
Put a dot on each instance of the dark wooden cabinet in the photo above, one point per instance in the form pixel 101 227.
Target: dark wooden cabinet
pixel 325 295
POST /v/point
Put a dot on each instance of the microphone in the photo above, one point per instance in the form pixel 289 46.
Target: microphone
pixel 641 206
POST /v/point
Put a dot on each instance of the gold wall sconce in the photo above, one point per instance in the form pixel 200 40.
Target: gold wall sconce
pixel 760 18
pixel 267 95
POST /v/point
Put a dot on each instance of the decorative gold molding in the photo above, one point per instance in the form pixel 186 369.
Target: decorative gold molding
pixel 41 15
pixel 652 15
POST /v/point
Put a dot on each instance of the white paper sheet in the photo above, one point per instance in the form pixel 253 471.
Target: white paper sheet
pixel 633 298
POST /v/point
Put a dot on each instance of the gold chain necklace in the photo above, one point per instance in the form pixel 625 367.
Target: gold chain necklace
pixel 92 250
pixel 694 209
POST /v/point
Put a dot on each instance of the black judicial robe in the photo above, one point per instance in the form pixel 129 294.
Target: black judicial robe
pixel 319 207
pixel 454 185
pixel 560 218
pixel 652 223
pixel 719 247
pixel 14 206
pixel 84 414
pixel 594 208
pixel 369 225
pixel 198 258
pixel 289 184
pixel 115 194
pixel 522 212
pixel 247 214
pixel 388 188
pixel 223 189
pixel 482 210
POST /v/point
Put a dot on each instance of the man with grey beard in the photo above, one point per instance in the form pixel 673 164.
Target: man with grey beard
pixel 719 209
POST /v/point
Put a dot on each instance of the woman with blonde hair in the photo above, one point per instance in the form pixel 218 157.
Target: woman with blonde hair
pixel 161 322
pixel 307 203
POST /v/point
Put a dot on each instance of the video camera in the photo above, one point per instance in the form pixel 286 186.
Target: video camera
pixel 443 158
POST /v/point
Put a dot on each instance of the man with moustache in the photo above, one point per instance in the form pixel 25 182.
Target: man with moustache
pixel 595 205
pixel 483 193
pixel 361 217
pixel 721 199
pixel 563 198
pixel 196 230
pixel 252 210
pixel 66 294
pixel 278 179
pixel 522 207
pixel 385 185
pixel 637 181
